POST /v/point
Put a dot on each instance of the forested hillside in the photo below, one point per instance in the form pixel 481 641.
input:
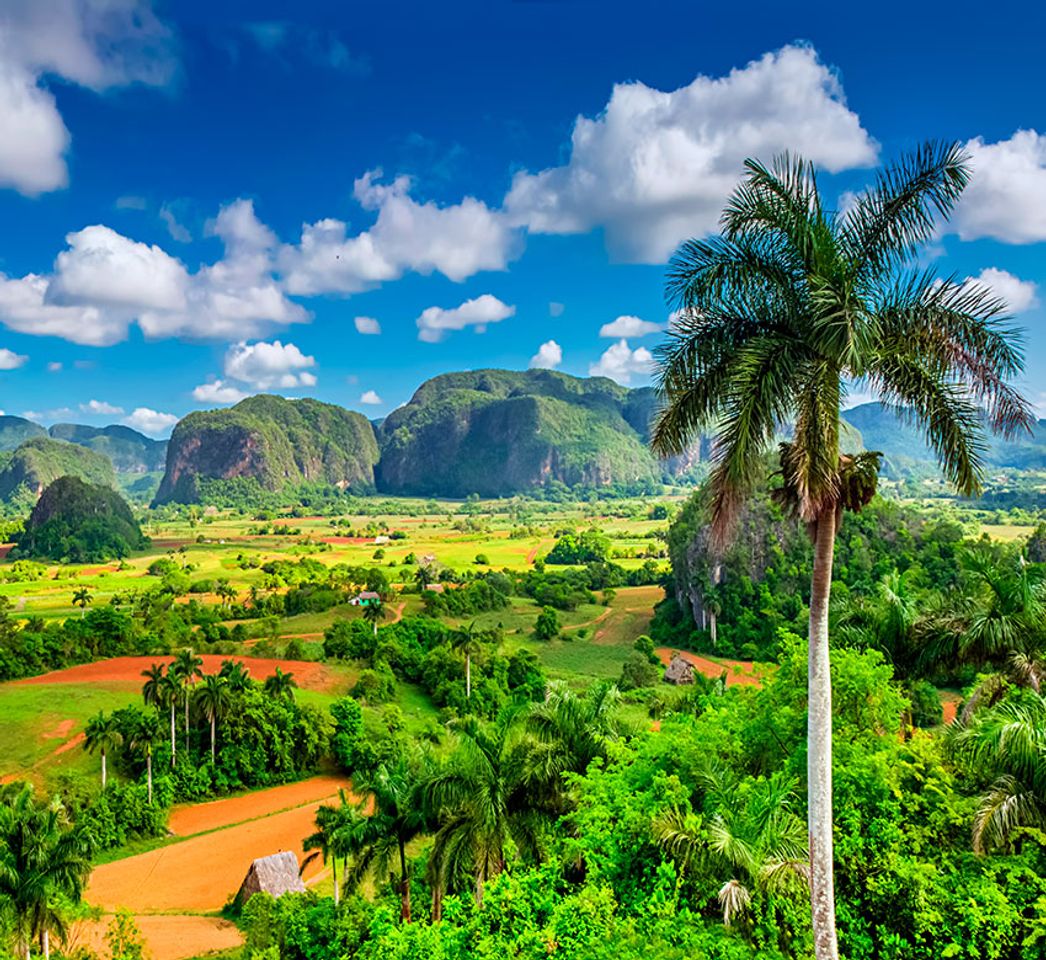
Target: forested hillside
pixel 498 432
pixel 268 442
pixel 25 472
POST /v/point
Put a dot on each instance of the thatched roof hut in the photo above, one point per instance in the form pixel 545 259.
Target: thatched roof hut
pixel 276 875
pixel 679 671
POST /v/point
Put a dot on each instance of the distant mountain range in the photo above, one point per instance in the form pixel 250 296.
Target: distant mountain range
pixel 129 450
pixel 490 432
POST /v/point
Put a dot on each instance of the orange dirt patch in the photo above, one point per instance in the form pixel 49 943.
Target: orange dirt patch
pixel 310 676
pixel 105 568
pixel 189 819
pixel 737 671
pixel 70 744
pixel 5 549
pixel 59 732
pixel 950 705
pixel 347 541
pixel 167 937
pixel 201 873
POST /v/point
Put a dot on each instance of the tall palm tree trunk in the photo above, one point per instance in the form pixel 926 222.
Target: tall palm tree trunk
pixel 103 770
pixel 213 718
pixel 404 885
pixel 437 902
pixel 45 943
pixel 819 733
pixel 149 774
pixel 334 877
pixel 174 742
pixel 468 676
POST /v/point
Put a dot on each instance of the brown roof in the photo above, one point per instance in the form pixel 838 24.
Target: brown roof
pixel 679 671
pixel 276 874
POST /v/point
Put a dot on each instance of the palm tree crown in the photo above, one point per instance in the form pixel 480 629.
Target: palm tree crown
pixel 794 301
pixel 102 734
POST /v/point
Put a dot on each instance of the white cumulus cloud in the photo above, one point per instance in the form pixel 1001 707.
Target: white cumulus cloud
pixel 621 363
pixel 54 366
pixel 103 282
pixel 458 241
pixel 370 397
pixel 368 326
pixel 218 391
pixel 269 365
pixel 9 360
pixel 435 322
pixel 150 421
pixel 99 408
pixel 655 167
pixel 1018 295
pixel 96 44
pixel 548 357
pixel 628 326
pixel 1006 197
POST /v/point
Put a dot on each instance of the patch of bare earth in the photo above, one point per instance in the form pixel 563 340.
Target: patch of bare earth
pixel 309 675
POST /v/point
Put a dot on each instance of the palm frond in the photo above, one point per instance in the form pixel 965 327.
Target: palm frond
pixel 889 222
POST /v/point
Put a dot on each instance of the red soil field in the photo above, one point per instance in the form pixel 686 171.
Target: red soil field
pixel 346 541
pixel 193 818
pixel 737 671
pixel 166 937
pixel 310 676
pixel 199 874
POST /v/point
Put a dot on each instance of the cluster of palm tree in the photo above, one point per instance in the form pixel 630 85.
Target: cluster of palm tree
pixel 182 683
pixel 44 861
pixel 491 793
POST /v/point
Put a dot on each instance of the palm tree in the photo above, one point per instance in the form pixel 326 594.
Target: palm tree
pixel 170 693
pixel 775 318
pixel 480 798
pixel 1008 607
pixel 42 856
pixel 333 828
pixel 1008 744
pixel 213 698
pixel 468 643
pixel 226 592
pixel 280 685
pixel 187 666
pixel 82 597
pixel 762 842
pixel 144 737
pixel 373 612
pixel 569 732
pixel 375 832
pixel 102 734
pixel 152 689
pixel 237 674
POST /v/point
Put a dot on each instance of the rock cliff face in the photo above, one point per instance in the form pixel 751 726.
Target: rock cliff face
pixel 273 441
pixel 497 432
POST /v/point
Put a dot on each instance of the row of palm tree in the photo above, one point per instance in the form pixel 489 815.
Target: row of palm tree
pixel 496 788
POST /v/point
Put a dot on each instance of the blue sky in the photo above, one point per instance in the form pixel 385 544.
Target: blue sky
pixel 206 200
